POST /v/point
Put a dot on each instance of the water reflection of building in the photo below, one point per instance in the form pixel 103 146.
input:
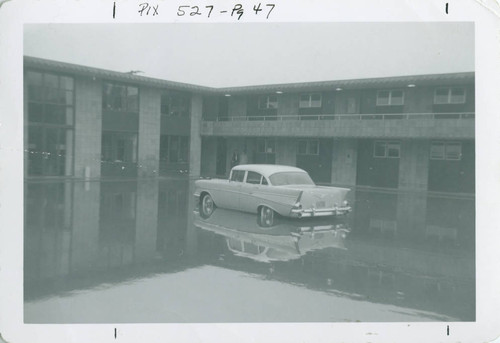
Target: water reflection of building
pixel 76 228
pixel 411 132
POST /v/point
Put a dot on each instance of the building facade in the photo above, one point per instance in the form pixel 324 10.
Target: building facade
pixel 404 133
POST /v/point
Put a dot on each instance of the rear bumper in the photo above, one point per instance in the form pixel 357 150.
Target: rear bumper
pixel 323 212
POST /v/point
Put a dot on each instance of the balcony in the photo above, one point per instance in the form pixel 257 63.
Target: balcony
pixel 400 125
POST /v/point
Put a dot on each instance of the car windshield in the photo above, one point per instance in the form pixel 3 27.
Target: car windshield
pixel 290 178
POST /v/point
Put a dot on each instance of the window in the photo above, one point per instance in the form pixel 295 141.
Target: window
pixel 268 102
pixel 238 175
pixel 49 150
pixel 384 149
pixel 390 98
pixel 310 100
pixel 254 178
pixel 120 98
pixel 449 95
pixel 266 146
pixel 174 149
pixel 308 147
pixel 50 98
pixel 446 151
pixel 119 147
pixel 50 119
pixel 175 104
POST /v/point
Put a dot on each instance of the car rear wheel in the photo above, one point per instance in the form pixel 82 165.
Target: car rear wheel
pixel 207 206
pixel 266 216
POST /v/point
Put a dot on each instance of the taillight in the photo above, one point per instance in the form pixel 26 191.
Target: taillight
pixel 297 206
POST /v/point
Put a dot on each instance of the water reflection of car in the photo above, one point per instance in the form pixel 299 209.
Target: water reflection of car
pixel 270 189
pixel 286 240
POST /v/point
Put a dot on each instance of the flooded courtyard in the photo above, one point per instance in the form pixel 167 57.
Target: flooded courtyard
pixel 137 252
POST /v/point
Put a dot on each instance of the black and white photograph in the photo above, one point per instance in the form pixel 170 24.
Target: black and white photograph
pixel 249 173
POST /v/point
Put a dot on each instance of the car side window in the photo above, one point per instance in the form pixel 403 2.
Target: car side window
pixel 264 181
pixel 238 175
pixel 253 178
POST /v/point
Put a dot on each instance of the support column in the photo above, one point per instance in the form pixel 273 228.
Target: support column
pixel 88 127
pixel 414 165
pixel 344 162
pixel 195 137
pixel 149 132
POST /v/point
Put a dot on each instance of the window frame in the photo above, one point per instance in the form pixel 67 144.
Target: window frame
pixel 449 97
pixel 386 146
pixel 252 183
pixel 125 100
pixel 175 95
pixel 236 172
pixel 310 100
pixel 390 101
pixel 307 147
pixel 267 143
pixel 445 156
pixel 266 105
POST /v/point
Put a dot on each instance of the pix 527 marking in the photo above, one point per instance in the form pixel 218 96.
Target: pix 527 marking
pixel 236 11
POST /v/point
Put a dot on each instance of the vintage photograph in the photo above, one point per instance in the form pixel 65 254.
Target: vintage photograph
pixel 253 173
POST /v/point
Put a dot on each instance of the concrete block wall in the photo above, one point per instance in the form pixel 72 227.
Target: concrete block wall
pixel 88 127
pixel 344 162
pixel 149 132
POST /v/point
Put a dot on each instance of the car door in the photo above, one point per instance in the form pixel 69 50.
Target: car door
pixel 250 192
pixel 231 196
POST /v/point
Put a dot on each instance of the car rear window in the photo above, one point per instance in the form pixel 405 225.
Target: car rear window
pixel 290 178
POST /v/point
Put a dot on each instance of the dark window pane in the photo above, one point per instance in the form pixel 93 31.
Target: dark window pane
pixel 397 98
pixel 270 146
pixel 313 147
pixel 35 112
pixel 261 146
pixel 35 93
pixel 68 98
pixel 393 150
pixel 51 81
pixel 437 151
pixel 132 99
pixel 302 147
pixel 253 178
pixel 379 150
pixel 453 151
pixel 66 83
pixel 55 114
pixel 34 78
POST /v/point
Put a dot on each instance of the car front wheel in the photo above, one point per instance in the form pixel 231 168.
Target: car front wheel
pixel 266 216
pixel 207 206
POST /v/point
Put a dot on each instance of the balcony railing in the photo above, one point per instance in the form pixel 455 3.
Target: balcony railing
pixel 371 116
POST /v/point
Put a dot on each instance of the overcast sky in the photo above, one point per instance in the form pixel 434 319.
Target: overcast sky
pixel 241 54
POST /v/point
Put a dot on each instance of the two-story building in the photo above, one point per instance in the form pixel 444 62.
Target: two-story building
pixel 405 132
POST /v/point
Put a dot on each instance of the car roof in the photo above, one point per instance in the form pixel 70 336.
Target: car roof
pixel 267 169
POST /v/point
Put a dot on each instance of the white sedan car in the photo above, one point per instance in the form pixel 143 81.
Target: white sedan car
pixel 270 189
